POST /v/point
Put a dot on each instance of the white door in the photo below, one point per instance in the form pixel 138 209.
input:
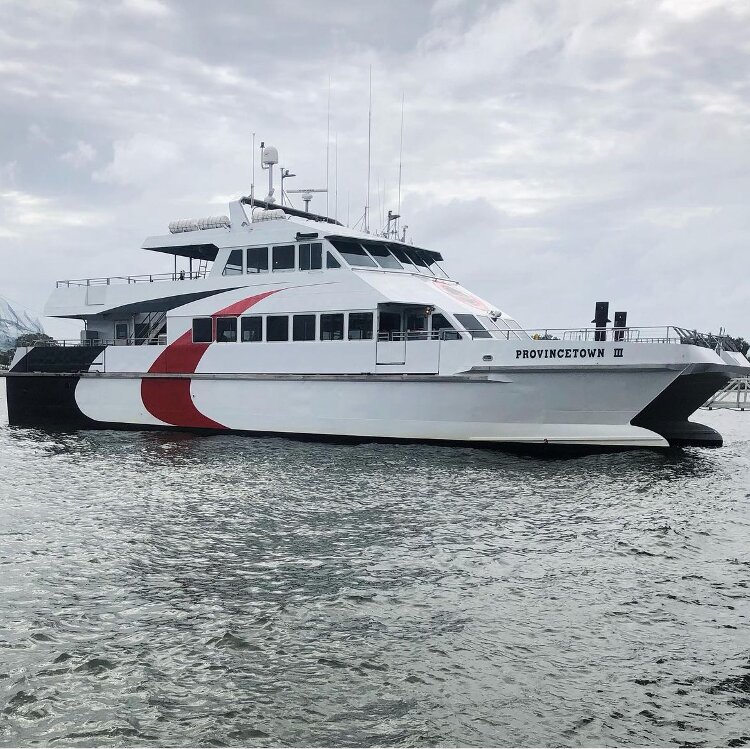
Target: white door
pixel 390 352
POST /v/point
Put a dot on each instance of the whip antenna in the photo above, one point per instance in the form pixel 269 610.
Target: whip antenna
pixel 369 151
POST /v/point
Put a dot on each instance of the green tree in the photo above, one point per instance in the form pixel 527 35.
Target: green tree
pixel 35 339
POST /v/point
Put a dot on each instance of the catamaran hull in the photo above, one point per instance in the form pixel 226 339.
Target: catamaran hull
pixel 606 408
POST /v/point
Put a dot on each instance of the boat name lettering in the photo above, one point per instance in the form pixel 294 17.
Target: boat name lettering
pixel 564 353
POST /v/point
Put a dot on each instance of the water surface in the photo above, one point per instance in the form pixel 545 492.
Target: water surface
pixel 173 589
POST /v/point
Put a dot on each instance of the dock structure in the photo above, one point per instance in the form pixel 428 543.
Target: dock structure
pixel 736 395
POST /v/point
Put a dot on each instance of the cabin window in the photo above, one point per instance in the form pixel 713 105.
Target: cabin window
pixel 277 327
pixel 251 329
pixel 121 331
pixel 332 327
pixel 441 326
pixel 473 326
pixel 389 326
pixel 331 261
pixel 311 256
pixel 353 253
pixel 257 259
pixel 303 328
pixel 234 264
pixel 382 255
pixel 283 257
pixel 360 326
pixel 203 330
pixel 226 329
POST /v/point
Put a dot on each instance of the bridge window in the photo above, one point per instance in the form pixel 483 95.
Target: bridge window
pixel 234 264
pixel 382 255
pixel 331 261
pixel 311 256
pixel 277 327
pixel 303 328
pixel 360 326
pixel 226 329
pixel 203 330
pixel 332 327
pixel 431 259
pixel 283 257
pixel 251 329
pixel 473 326
pixel 403 257
pixel 257 259
pixel 353 253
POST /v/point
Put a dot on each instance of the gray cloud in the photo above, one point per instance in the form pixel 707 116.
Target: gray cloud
pixel 557 153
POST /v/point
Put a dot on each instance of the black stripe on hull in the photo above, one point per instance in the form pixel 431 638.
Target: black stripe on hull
pixel 36 401
pixel 668 413
pixel 45 401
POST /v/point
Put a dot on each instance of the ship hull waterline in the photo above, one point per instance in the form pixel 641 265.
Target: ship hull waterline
pixel 609 409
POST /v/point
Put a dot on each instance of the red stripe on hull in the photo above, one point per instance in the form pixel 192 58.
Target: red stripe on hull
pixel 170 399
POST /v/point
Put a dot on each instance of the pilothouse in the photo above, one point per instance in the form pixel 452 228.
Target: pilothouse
pixel 281 321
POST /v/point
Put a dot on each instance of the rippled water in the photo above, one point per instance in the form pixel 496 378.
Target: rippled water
pixel 173 589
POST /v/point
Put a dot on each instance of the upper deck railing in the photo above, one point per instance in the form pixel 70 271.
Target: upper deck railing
pixel 145 278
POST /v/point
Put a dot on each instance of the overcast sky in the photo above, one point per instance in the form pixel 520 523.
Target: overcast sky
pixel 556 152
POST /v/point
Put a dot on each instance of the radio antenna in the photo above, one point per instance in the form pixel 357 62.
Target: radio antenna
pixel 369 152
pixel 400 159
pixel 336 175
pixel 252 183
pixel 328 141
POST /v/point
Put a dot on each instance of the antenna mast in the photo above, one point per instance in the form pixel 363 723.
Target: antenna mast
pixel 369 140
pixel 400 161
pixel 252 183
pixel 328 140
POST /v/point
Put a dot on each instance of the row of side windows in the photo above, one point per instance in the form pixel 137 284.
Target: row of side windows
pixel 283 257
pixel 304 327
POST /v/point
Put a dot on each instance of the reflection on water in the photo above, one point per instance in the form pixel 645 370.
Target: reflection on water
pixel 174 589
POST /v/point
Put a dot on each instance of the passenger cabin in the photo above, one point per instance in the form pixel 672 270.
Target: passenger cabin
pixel 320 282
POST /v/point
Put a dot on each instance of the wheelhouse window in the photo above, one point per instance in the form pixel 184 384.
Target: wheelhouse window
pixel 331 261
pixel 277 327
pixel 473 326
pixel 402 257
pixel 203 330
pixel 257 260
pixel 251 329
pixel 417 259
pixel 283 257
pixel 332 327
pixel 226 329
pixel 360 326
pixel 234 264
pixel 431 258
pixel 303 328
pixel 353 253
pixel 382 255
pixel 311 256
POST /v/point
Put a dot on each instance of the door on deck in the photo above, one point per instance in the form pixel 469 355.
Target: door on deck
pixel 390 347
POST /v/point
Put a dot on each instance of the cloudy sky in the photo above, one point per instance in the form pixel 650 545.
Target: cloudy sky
pixel 557 152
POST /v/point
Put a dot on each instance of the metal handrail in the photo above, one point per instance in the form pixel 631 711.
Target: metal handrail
pixel 146 278
pixel 664 334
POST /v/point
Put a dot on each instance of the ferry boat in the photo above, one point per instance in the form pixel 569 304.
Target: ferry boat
pixel 286 322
